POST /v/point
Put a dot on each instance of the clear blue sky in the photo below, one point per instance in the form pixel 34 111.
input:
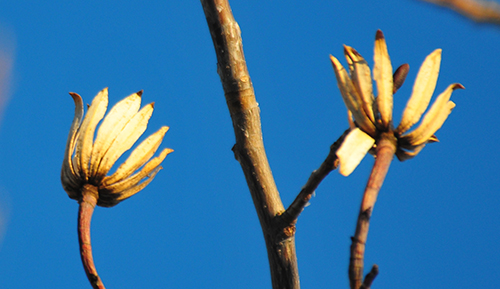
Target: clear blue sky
pixel 436 222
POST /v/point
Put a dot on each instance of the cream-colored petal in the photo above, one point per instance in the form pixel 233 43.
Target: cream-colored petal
pixel 125 139
pixel 404 155
pixel 112 125
pixel 354 148
pixel 86 133
pixel 361 78
pixel 138 187
pixel 133 180
pixel 382 74
pixel 422 91
pixel 138 157
pixel 68 174
pixel 351 98
pixel 434 118
pixel 352 125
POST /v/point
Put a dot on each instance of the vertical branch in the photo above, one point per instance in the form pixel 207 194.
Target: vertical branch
pixel 386 148
pixel 249 147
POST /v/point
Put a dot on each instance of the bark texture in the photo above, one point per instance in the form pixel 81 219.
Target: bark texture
pixel 249 147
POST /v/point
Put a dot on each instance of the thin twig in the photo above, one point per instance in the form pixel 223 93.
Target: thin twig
pixel 367 283
pixel 87 205
pixel 386 148
pixel 479 11
pixel 249 147
pixel 331 162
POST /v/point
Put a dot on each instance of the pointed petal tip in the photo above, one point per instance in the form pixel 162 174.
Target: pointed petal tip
pixel 379 35
pixel 76 97
pixel 139 93
pixel 457 86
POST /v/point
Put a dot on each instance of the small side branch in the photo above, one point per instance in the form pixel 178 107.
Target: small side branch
pixel 386 148
pixel 331 163
pixel 370 277
pixel 477 10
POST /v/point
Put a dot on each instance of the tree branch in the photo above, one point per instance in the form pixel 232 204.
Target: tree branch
pixel 477 10
pixel 249 147
pixel 331 162
pixel 386 148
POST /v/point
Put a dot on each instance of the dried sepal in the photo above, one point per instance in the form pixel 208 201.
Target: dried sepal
pixel 126 139
pixel 382 74
pixel 353 149
pixel 114 122
pixel 405 154
pixel 95 113
pixel 139 156
pixel 351 97
pixel 362 80
pixel 422 91
pixel 434 118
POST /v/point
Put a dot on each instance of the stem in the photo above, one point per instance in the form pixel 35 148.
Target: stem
pixel 249 148
pixel 386 148
pixel 87 205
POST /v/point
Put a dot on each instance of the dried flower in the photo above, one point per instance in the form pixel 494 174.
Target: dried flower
pixel 88 161
pixel 373 115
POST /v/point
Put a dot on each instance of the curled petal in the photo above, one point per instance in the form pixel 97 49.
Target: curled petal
pixel 125 139
pixel 130 181
pixel 406 154
pixel 361 78
pixel 112 125
pixel 422 91
pixel 138 157
pixel 382 74
pixel 138 187
pixel 354 148
pixel 351 97
pixel 69 176
pixel 86 133
pixel 433 119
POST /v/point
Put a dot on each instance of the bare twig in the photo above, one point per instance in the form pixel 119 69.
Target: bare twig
pixel 370 277
pixel 386 148
pixel 249 147
pixel 331 162
pixel 87 205
pixel 477 10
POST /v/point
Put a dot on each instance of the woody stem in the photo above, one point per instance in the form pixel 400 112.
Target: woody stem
pixel 386 148
pixel 87 205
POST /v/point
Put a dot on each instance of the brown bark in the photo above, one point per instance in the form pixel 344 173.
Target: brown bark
pixel 249 147
pixel 386 148
pixel 87 205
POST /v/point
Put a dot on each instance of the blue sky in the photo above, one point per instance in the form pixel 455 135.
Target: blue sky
pixel 435 224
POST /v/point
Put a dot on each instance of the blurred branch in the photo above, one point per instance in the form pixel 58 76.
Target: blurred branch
pixel 477 10
pixel 331 163
pixel 249 147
